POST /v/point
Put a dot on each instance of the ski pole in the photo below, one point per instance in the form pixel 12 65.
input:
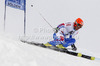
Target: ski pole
pixel 43 17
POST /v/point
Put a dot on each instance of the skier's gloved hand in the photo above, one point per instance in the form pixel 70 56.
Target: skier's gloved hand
pixel 55 30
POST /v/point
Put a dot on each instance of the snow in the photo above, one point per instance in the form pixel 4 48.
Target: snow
pixel 15 53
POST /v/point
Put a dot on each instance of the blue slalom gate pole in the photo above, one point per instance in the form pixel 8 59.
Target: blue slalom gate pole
pixel 5 16
pixel 24 17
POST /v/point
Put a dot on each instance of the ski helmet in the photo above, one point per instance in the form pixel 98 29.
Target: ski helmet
pixel 79 21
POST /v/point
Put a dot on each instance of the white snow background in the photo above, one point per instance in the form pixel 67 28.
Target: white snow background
pixel 15 53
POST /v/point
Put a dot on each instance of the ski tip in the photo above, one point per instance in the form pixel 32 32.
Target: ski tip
pixel 92 58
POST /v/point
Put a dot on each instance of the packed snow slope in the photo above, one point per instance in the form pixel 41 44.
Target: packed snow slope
pixel 15 53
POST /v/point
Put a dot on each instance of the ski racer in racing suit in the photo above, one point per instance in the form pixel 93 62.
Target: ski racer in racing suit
pixel 64 30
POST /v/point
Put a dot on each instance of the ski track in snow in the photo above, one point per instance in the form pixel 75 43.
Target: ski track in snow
pixel 15 53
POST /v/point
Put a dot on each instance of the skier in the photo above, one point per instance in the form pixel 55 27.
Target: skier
pixel 69 29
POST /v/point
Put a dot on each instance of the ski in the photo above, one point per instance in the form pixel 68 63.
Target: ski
pixel 60 50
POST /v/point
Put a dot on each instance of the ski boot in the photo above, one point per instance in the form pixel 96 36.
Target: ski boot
pixel 73 47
